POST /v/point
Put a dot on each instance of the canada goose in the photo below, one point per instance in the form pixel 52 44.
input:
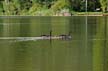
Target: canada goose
pixel 62 37
pixel 65 37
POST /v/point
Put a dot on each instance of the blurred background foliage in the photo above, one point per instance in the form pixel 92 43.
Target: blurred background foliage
pixel 50 7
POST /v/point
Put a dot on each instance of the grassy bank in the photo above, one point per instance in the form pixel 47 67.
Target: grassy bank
pixel 90 13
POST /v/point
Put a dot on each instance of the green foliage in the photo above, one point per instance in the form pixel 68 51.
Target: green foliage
pixel 60 4
pixel 104 5
pixel 1 8
pixel 35 7
pixel 48 7
pixel 9 8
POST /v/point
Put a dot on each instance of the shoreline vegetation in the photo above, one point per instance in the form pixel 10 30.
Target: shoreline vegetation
pixel 53 7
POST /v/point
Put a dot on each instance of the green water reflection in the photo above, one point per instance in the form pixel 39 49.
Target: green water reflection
pixel 86 51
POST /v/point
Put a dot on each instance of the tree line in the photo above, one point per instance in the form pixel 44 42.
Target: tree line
pixel 18 7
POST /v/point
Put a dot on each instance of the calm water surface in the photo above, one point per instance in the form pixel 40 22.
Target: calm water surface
pixel 86 51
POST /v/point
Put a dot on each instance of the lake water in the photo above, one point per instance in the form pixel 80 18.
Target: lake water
pixel 20 50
